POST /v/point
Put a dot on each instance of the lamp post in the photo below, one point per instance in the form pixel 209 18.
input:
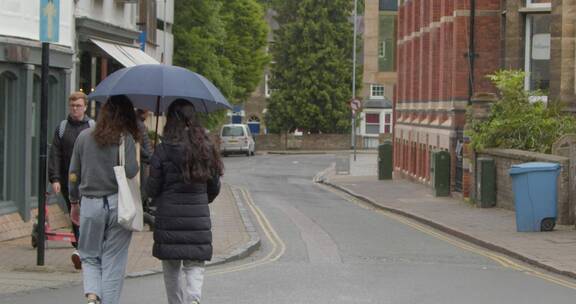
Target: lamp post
pixel 354 79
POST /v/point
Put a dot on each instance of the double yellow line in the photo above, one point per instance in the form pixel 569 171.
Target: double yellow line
pixel 278 248
pixel 502 260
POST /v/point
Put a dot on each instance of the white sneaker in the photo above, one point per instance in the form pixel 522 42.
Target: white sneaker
pixel 76 260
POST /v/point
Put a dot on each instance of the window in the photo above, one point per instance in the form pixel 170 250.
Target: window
pixel 233 131
pixel 372 123
pixel 35 128
pixel 388 5
pixel 377 91
pixel 3 134
pixel 537 52
pixel 382 49
pixel 538 3
pixel 267 91
pixel 159 24
pixel 7 97
pixel 387 42
pixel 388 123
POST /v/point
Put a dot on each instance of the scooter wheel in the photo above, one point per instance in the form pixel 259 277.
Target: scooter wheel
pixel 547 224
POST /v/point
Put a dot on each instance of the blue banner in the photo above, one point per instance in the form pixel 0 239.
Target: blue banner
pixel 49 20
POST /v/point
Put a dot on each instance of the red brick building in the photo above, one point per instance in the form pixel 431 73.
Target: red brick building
pixel 434 73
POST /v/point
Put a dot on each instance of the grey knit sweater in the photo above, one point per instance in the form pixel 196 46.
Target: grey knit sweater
pixel 92 167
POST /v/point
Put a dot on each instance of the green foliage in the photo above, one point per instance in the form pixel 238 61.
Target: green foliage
pixel 199 36
pixel 311 75
pixel 245 45
pixel 515 122
pixel 224 40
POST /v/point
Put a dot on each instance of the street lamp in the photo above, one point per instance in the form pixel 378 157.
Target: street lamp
pixel 354 79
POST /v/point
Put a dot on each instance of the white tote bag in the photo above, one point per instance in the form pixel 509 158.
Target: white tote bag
pixel 130 213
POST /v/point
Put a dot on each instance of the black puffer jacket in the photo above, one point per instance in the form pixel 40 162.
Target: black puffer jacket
pixel 183 226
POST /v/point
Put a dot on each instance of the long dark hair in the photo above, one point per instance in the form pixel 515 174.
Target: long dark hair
pixel 202 159
pixel 115 118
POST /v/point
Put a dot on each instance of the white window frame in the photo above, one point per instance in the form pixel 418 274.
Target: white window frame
pixel 384 123
pixel 373 88
pixel 528 50
pixel 529 4
pixel 364 123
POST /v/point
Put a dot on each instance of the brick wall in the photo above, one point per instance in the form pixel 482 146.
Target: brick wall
pixel 12 226
pixel 505 158
pixel 433 72
pixel 312 142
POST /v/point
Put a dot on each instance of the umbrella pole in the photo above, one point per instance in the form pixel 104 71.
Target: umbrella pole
pixel 157 118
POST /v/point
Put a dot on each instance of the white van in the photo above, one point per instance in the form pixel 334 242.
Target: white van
pixel 236 138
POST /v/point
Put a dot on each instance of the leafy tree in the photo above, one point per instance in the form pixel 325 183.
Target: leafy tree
pixel 245 47
pixel 199 36
pixel 311 75
pixel 515 122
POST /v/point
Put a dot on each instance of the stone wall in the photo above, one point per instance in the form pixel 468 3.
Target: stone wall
pixel 270 142
pixel 505 158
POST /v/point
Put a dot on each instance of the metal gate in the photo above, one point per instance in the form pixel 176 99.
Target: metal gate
pixel 459 153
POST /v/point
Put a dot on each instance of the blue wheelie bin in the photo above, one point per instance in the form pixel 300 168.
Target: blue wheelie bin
pixel 535 195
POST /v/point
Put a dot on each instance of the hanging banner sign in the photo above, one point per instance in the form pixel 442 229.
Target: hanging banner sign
pixel 49 20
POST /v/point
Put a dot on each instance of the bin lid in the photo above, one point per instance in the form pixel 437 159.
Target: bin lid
pixel 533 167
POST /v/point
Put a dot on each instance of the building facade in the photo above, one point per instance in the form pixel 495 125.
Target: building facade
pixel 438 71
pixel 379 74
pixel 96 37
pixel 442 63
pixel 20 68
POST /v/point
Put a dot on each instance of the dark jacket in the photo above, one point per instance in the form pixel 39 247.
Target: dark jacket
pixel 182 225
pixel 61 150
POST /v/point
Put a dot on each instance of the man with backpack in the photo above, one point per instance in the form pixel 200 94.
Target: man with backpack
pixel 61 153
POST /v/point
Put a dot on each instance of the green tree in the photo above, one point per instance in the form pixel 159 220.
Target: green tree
pixel 312 70
pixel 515 122
pixel 199 37
pixel 245 47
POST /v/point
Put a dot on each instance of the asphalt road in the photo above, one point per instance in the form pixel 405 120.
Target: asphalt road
pixel 320 246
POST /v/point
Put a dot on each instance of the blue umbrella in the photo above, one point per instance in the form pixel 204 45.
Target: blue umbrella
pixel 155 86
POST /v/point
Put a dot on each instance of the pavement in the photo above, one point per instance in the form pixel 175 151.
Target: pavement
pixel 234 237
pixel 492 228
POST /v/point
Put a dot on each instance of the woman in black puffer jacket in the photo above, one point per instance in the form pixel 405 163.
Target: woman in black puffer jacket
pixel 184 178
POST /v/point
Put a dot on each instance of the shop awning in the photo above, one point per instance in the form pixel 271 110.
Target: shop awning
pixel 126 55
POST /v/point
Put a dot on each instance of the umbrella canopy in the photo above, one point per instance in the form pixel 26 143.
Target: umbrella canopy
pixel 155 86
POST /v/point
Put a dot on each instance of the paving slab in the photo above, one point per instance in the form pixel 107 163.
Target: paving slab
pixel 233 237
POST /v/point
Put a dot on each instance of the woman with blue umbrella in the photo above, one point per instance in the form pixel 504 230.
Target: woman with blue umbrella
pixel 185 169
pixel 184 178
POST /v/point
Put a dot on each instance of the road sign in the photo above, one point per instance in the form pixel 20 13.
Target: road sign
pixel 49 20
pixel 355 105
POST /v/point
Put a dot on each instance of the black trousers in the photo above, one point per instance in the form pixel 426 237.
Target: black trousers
pixel 75 228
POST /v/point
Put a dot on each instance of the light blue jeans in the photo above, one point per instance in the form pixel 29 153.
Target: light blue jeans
pixel 183 280
pixel 103 248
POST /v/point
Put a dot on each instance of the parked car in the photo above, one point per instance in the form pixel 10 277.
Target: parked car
pixel 236 138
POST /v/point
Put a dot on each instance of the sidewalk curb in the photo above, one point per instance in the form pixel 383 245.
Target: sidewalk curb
pixel 247 248
pixel 242 251
pixel 310 152
pixel 238 253
pixel 448 230
pixel 296 152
